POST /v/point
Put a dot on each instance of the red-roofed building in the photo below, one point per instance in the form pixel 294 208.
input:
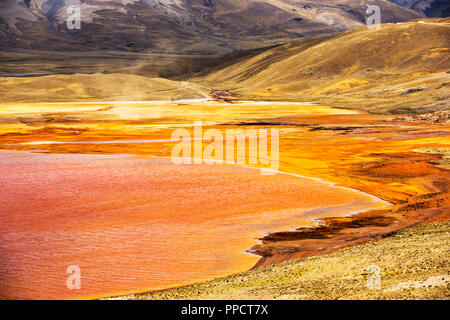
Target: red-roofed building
pixel 221 95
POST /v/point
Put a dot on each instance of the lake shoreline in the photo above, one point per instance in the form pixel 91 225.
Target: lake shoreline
pixel 365 153
pixel 82 214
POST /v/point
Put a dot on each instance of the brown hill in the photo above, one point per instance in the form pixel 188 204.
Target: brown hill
pixel 95 87
pixel 431 8
pixel 398 68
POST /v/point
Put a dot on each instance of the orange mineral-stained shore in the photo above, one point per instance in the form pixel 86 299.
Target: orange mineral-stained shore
pixel 134 224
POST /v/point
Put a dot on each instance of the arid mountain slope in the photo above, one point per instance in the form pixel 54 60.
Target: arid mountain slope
pixel 432 8
pixel 367 68
pixel 180 26
pixel 400 68
pixel 95 87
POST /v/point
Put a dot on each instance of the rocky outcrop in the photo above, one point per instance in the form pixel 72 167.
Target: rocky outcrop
pixel 433 117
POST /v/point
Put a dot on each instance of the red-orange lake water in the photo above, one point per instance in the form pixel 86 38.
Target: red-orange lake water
pixel 134 224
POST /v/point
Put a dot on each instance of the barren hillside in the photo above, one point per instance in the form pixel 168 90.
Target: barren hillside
pixel 180 26
pixel 367 69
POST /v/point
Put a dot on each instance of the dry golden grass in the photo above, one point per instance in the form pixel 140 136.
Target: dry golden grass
pixel 95 87
pixel 399 68
pixel 414 265
pixel 444 152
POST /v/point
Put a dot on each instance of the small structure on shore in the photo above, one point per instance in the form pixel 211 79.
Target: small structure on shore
pixel 221 95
